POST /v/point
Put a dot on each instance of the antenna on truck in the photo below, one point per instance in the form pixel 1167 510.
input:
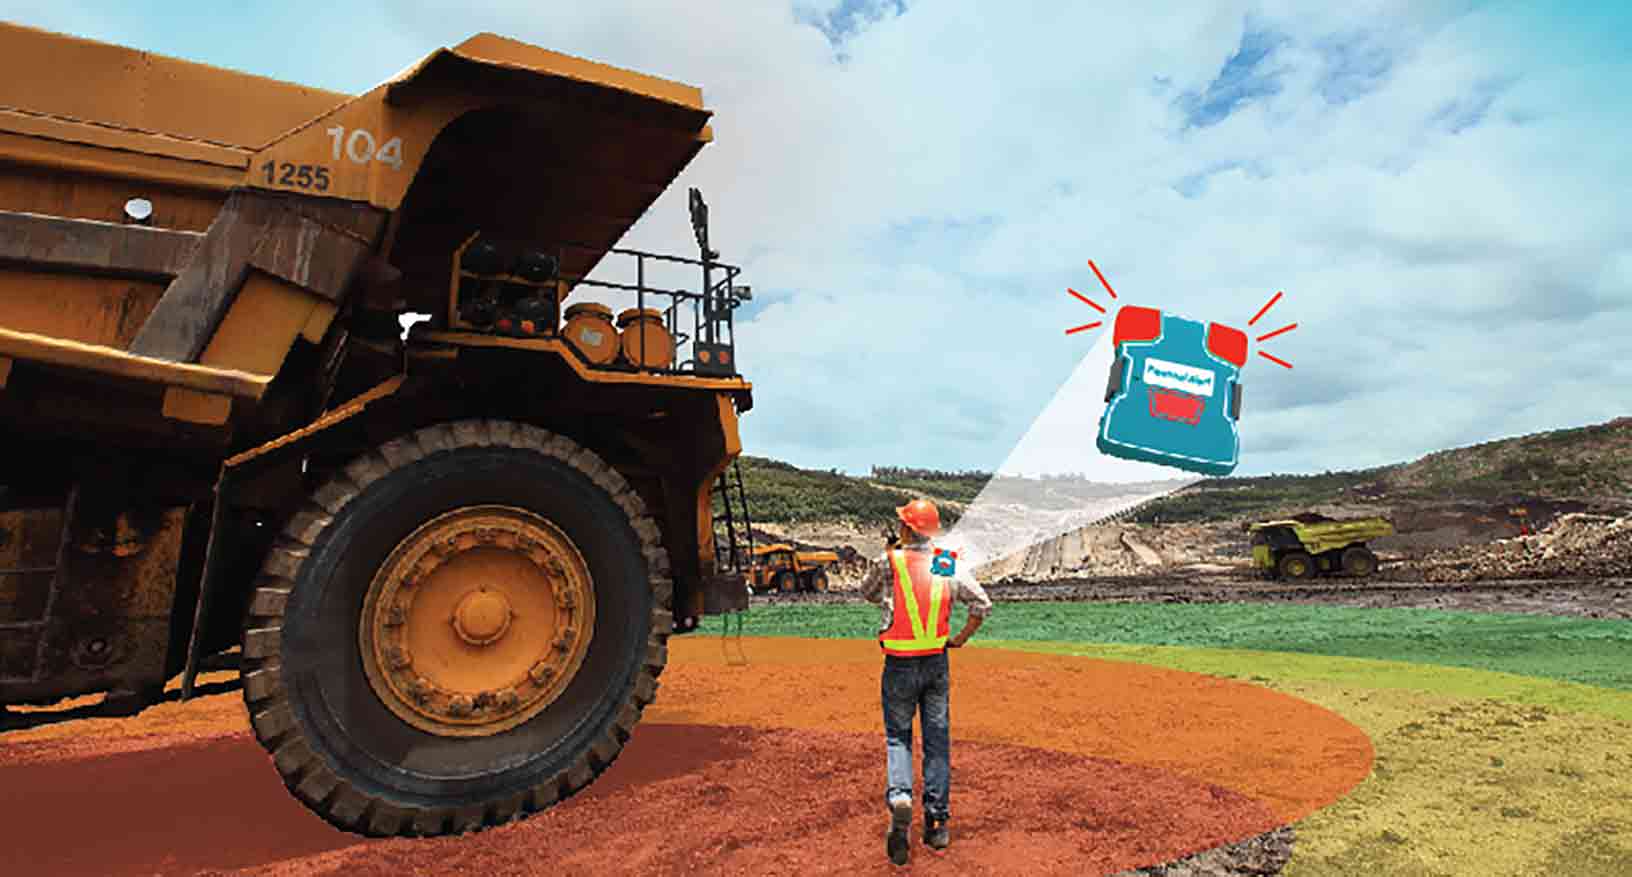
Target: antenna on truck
pixel 713 304
pixel 699 224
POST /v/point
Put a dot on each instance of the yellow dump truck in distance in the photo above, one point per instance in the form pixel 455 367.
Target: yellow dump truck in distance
pixel 781 568
pixel 452 558
pixel 1295 549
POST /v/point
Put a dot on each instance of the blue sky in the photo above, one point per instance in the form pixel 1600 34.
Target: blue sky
pixel 1438 187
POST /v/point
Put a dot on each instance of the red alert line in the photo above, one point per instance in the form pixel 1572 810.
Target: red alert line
pixel 1082 327
pixel 1267 306
pixel 1281 331
pixel 1085 299
pixel 1274 360
pixel 1101 278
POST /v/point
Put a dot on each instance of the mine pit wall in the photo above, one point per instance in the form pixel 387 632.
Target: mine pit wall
pixel 1096 547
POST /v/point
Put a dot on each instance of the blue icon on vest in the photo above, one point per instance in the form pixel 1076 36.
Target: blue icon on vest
pixel 943 563
pixel 1174 395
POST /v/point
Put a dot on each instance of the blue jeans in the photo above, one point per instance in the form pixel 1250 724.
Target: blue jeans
pixel 918 685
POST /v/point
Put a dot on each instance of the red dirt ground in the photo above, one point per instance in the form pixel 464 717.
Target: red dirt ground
pixel 1061 766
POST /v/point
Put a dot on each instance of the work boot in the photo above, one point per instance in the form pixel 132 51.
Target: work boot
pixel 895 843
pixel 935 834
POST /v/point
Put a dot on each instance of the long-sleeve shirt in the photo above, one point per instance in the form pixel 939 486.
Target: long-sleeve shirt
pixel 876 588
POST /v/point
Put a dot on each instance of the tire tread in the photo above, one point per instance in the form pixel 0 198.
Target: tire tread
pixel 304 770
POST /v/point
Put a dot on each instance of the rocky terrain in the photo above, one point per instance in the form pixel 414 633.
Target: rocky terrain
pixel 1574 546
pixel 1451 547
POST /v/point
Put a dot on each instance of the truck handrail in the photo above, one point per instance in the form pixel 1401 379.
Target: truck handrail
pixel 716 302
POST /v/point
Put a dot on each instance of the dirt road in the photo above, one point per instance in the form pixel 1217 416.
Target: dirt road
pixel 1586 598
pixel 1591 598
pixel 1063 766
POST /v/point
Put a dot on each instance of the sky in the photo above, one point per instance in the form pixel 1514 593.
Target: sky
pixel 1438 189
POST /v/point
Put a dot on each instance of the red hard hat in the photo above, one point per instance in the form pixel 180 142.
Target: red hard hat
pixel 921 516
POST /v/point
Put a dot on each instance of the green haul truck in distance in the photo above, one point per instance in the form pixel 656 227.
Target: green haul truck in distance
pixel 1297 550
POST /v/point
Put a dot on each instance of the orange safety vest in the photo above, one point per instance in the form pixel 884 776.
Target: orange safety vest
pixel 920 600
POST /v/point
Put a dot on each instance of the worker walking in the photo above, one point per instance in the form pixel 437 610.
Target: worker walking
pixel 913 633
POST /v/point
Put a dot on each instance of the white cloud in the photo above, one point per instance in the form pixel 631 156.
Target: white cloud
pixel 1049 125
pixel 912 215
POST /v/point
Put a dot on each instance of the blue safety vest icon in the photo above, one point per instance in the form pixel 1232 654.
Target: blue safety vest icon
pixel 1174 395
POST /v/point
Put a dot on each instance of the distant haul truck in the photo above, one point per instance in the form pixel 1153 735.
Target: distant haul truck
pixel 781 568
pixel 452 559
pixel 1300 550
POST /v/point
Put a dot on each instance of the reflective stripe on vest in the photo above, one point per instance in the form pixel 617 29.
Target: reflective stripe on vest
pixel 910 632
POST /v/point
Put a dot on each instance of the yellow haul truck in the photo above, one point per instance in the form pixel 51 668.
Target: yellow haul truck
pixel 784 569
pixel 452 557
pixel 1302 548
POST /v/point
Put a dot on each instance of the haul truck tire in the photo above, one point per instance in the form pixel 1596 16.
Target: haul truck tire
pixel 787 583
pixel 818 582
pixel 460 628
pixel 1359 561
pixel 1296 565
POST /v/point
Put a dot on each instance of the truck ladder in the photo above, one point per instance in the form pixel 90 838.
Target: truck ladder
pixel 734 551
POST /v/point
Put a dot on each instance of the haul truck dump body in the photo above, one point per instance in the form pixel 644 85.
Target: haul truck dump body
pixel 451 560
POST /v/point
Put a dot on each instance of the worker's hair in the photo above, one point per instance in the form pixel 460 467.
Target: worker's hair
pixel 913 537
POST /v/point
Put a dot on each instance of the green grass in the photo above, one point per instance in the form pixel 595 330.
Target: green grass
pixel 1586 651
pixel 1355 675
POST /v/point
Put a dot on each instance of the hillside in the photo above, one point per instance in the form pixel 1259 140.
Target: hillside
pixel 779 493
pixel 1589 463
pixel 1443 505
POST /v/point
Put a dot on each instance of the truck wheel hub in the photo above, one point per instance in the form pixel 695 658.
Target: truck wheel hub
pixel 477 621
pixel 482 618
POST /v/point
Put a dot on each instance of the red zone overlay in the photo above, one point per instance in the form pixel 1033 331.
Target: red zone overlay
pixel 1061 766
